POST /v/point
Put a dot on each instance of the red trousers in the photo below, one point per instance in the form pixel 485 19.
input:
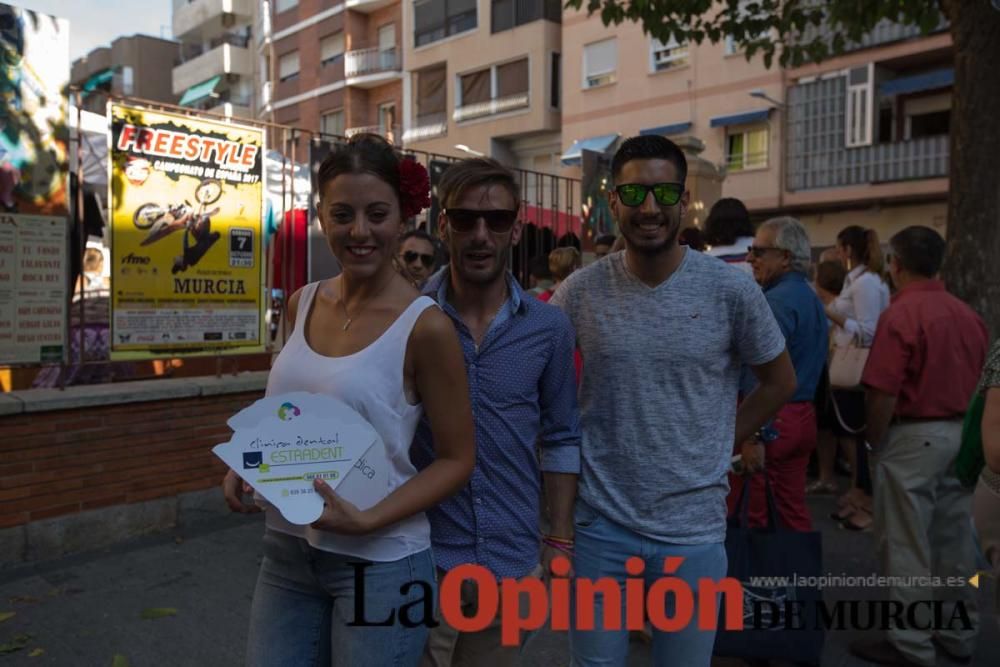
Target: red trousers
pixel 786 461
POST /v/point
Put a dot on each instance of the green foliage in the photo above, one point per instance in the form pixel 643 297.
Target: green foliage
pixel 797 31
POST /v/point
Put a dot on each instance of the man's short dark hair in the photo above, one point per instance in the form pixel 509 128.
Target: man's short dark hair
pixel 728 220
pixel 649 147
pixel 471 172
pixel 919 250
pixel 418 234
pixel 605 239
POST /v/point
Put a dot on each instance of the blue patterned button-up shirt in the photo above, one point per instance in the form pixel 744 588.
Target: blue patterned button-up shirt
pixel 523 389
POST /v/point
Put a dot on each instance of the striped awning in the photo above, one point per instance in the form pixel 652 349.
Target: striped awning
pixel 741 118
pixel 942 78
pixel 98 79
pixel 199 91
pixel 667 130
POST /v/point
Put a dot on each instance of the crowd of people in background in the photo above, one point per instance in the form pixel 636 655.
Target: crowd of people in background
pixel 692 349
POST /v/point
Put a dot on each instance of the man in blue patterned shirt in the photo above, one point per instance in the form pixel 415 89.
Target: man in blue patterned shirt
pixel 519 358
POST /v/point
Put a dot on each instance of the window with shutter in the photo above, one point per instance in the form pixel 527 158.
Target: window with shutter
pixel 746 149
pixel 288 66
pixel 436 19
pixel 332 123
pixel 600 61
pixel 502 15
pixel 667 56
pixel 497 89
pixel 331 48
pixel 475 87
pixel 431 95
pixel 512 78
pixel 731 47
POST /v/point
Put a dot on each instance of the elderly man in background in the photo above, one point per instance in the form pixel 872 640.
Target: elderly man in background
pixel 780 258
pixel 923 368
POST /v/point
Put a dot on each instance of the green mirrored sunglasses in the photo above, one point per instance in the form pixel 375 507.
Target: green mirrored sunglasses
pixel 666 194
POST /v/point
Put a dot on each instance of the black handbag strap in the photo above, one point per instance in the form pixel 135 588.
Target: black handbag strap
pixel 743 506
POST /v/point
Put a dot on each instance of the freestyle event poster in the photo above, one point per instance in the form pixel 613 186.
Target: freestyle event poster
pixel 34 71
pixel 187 271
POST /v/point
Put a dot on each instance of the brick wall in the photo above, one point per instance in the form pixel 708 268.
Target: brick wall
pixel 68 461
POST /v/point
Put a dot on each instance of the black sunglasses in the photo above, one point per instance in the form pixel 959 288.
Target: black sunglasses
pixel 760 250
pixel 666 194
pixel 410 256
pixel 464 220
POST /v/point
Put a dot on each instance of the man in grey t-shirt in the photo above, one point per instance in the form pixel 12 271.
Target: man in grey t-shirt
pixel 663 331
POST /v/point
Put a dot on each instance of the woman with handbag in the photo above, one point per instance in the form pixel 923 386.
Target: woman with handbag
pixel 854 315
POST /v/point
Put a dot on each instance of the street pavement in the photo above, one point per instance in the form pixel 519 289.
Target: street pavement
pixel 182 599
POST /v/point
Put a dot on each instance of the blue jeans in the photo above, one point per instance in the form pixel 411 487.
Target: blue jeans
pixel 305 599
pixel 602 547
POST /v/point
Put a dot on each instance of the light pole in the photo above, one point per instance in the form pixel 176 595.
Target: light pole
pixel 761 95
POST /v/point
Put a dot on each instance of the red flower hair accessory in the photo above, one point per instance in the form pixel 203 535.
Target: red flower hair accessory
pixel 414 188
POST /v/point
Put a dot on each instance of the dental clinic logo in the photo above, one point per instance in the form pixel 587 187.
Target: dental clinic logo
pixel 287 412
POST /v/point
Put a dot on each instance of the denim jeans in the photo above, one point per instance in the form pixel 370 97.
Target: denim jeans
pixel 305 599
pixel 602 547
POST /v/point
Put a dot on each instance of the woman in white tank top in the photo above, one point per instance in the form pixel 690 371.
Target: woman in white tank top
pixel 854 315
pixel 338 591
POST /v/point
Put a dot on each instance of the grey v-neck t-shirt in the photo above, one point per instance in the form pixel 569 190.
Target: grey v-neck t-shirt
pixel 661 369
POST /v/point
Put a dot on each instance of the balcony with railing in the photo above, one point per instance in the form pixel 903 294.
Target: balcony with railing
pixel 372 67
pixel 208 16
pixel 225 56
pixel 491 107
pixel 926 157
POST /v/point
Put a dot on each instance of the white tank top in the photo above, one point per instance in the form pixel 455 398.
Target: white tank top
pixel 371 382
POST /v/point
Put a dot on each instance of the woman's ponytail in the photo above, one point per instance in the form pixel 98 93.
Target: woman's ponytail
pixel 874 259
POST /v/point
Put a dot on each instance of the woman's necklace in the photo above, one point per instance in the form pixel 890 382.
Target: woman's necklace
pixel 343 303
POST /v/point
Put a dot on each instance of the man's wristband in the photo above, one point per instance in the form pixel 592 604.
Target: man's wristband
pixel 565 546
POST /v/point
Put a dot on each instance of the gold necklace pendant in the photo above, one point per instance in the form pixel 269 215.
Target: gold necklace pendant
pixel 343 306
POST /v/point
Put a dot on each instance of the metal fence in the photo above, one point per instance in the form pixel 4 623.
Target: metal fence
pixel 550 215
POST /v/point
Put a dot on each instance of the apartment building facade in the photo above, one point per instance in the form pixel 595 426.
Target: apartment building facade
pixel 859 139
pixel 216 70
pixel 868 135
pixel 620 82
pixel 336 67
pixel 130 67
pixel 484 77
